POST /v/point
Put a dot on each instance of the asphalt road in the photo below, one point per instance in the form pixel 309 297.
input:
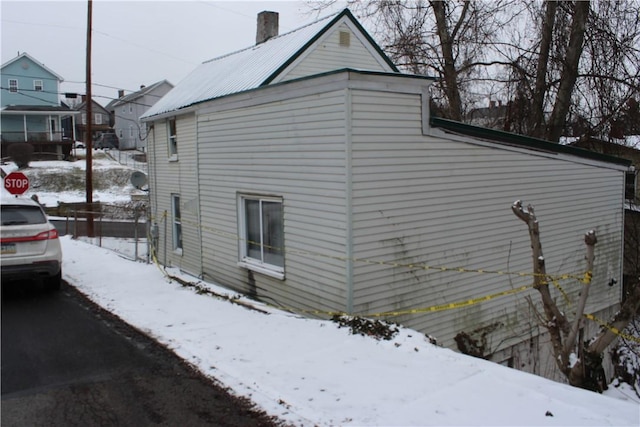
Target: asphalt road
pixel 67 362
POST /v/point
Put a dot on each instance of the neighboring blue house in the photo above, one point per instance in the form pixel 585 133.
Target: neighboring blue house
pixel 31 111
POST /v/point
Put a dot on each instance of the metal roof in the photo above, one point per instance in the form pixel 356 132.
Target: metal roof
pixel 246 69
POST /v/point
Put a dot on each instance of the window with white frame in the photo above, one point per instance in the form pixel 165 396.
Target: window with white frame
pixel 261 232
pixel 130 131
pixel 38 86
pixel 13 85
pixel 84 118
pixel 177 222
pixel 98 118
pixel 172 138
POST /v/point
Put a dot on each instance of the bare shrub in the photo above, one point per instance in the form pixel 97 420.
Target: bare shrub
pixel 21 154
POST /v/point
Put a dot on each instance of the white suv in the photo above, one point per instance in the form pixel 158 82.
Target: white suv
pixel 30 245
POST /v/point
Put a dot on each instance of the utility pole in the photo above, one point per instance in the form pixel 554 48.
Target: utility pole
pixel 89 131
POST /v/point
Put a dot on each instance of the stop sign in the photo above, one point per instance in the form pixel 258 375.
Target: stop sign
pixel 16 183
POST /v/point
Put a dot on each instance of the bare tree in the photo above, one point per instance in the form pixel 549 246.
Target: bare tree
pixel 450 40
pixel 551 62
pixel 565 333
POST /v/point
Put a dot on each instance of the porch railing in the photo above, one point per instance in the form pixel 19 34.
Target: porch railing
pixel 32 136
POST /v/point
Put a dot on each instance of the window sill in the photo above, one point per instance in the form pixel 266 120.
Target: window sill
pixel 177 252
pixel 173 158
pixel 263 269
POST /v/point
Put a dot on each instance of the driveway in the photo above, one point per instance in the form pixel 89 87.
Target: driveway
pixel 66 362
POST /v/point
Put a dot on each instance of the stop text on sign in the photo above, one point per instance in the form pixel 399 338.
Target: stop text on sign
pixel 17 183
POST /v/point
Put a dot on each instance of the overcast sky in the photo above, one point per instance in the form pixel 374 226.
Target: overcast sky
pixel 135 42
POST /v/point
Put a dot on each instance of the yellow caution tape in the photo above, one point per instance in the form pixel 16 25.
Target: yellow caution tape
pixel 616 331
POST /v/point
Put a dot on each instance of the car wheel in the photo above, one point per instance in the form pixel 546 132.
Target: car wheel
pixel 53 283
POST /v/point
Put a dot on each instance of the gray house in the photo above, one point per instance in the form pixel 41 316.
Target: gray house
pixel 306 171
pixel 127 109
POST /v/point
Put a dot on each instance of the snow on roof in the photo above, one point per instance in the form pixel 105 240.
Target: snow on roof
pixel 238 71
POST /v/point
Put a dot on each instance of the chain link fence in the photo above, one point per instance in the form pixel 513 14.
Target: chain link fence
pixel 121 227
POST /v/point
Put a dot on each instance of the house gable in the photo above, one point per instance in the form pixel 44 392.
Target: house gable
pixel 36 84
pixel 343 43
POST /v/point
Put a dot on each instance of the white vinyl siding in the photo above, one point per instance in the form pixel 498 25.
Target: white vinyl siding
pixel 429 201
pixel 330 55
pixel 180 178
pixel 292 149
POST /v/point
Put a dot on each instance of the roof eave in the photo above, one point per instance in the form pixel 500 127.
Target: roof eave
pixel 522 141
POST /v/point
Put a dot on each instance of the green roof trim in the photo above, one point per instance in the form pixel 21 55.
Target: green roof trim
pixel 522 141
pixel 347 13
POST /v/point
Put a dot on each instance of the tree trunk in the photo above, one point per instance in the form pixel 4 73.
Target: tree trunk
pixel 556 323
pixel 449 67
pixel 537 103
pixel 587 372
pixel 569 71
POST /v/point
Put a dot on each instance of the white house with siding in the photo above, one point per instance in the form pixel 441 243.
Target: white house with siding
pixel 127 109
pixel 306 171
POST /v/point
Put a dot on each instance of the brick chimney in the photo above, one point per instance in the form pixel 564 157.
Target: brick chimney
pixel 267 26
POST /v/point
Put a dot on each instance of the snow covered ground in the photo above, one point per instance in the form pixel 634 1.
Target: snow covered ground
pixel 312 372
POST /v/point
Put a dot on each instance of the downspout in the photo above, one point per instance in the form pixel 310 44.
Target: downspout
pixel 153 201
pixel 24 126
pixel 349 203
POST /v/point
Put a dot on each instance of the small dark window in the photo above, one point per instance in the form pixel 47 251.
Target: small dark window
pixel 630 186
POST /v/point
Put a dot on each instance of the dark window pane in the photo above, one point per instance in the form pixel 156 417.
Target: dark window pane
pixel 252 215
pixel 272 233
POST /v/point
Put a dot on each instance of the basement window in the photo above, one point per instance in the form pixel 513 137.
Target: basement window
pixel 261 234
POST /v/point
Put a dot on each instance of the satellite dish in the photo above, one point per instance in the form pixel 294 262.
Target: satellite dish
pixel 138 179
